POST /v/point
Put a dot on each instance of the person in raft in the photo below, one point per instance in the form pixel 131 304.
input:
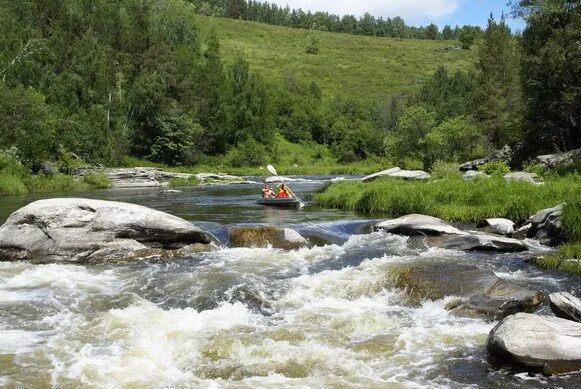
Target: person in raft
pixel 267 192
pixel 283 192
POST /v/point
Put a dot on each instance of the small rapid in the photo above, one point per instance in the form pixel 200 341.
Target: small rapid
pixel 324 316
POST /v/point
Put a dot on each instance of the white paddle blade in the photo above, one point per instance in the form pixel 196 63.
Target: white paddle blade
pixel 272 170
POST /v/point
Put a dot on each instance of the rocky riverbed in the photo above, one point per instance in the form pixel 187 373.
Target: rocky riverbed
pixel 302 297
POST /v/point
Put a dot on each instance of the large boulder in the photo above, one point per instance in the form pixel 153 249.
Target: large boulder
pixel 473 174
pixel 531 178
pixel 416 224
pixel 398 173
pixel 540 343
pixel 480 292
pixel 73 229
pixel 565 306
pixel 266 236
pixel 551 161
pixel 546 225
pixel 441 234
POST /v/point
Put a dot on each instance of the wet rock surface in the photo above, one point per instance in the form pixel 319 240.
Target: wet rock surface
pixel 546 225
pixel 265 236
pixel 480 292
pixel 416 224
pixel 565 306
pixel 539 343
pixel 74 229
pixel 397 172
pixel 497 226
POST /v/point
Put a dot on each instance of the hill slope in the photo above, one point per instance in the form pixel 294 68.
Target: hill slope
pixel 358 67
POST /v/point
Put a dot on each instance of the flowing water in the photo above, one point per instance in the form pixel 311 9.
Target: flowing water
pixel 326 316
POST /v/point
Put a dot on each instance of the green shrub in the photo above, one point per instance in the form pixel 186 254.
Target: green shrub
pixel 568 259
pixel 247 153
pixel 571 220
pixel 10 163
pixel 97 180
pixel 177 182
pixel 495 168
pixel 442 169
pixel 39 183
pixel 534 167
pixel 11 185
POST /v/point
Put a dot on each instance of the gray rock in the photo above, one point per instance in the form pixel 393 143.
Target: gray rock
pixel 523 176
pixel 504 154
pixel 265 236
pixel 74 229
pixel 480 292
pixel 565 306
pixel 497 226
pixel 546 226
pixel 416 224
pixel 522 232
pixel 540 343
pixel 551 161
pixel 398 173
pixel 473 174
pixel 477 241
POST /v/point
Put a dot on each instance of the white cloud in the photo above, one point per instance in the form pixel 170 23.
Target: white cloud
pixel 411 10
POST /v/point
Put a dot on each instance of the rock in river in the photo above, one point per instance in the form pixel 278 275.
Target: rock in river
pixel 565 306
pixel 540 343
pixel 440 234
pixel 263 236
pixel 480 292
pixel 73 229
pixel 546 225
pixel 398 173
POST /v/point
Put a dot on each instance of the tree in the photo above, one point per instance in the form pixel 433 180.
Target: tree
pixel 313 42
pixel 497 93
pixel 551 75
pixel 432 32
pixel 455 139
pixel 467 37
pixel 408 140
pixel 235 9
pixel 447 33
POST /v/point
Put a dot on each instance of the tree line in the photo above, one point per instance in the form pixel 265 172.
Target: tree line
pixel 103 79
pixel 367 24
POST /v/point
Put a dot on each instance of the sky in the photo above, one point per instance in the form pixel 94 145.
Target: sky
pixel 414 12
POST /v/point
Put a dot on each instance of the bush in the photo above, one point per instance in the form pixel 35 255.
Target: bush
pixel 247 153
pixel 11 185
pixel 442 169
pixel 533 167
pixel 97 180
pixel 495 168
pixel 10 163
pixel 39 183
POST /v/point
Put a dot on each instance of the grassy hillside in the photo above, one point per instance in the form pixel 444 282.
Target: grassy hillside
pixel 346 66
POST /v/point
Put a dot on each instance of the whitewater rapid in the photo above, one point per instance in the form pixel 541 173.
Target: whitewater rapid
pixel 326 316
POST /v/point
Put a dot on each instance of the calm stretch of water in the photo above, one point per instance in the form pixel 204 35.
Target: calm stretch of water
pixel 327 316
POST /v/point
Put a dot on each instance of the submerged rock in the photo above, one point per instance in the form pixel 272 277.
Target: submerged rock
pixel 540 343
pixel 398 173
pixel 480 292
pixel 565 306
pixel 546 225
pixel 73 229
pixel 265 236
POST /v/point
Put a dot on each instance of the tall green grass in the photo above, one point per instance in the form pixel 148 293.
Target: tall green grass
pixel 11 185
pixel 452 199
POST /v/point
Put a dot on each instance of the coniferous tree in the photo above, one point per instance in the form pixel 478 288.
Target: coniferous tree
pixel 497 97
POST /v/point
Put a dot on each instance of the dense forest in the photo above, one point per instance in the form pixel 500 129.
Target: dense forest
pixel 100 80
pixel 367 24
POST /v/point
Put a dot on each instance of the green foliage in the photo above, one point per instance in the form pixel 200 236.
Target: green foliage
pixel 533 167
pixel 10 163
pixel 551 71
pixel 182 182
pixel 247 153
pixel 571 220
pixel 313 43
pixel 442 169
pixel 497 168
pixel 453 140
pixel 57 183
pixel 11 184
pixel 452 198
pixel 96 181
pixel 567 258
pixel 467 36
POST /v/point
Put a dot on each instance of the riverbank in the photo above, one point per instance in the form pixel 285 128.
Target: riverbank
pixel 456 200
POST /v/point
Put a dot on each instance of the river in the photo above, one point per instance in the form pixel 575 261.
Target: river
pixel 325 316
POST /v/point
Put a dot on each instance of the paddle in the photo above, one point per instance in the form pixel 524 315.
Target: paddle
pixel 274 173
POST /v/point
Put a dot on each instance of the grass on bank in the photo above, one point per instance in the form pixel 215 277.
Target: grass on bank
pixel 182 182
pixel 452 199
pixel 14 185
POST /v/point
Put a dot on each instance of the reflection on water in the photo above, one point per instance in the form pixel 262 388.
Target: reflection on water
pixel 326 316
